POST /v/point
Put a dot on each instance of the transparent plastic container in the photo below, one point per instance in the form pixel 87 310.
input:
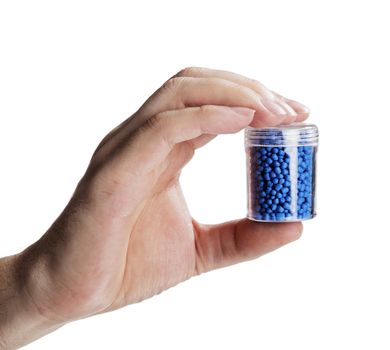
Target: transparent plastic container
pixel 281 172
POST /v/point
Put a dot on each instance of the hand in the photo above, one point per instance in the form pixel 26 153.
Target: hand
pixel 126 234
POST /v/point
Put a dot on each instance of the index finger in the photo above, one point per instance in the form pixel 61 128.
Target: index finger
pixel 292 107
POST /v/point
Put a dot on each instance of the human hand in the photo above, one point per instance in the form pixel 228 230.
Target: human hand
pixel 126 234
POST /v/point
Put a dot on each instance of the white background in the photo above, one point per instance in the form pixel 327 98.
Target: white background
pixel 72 70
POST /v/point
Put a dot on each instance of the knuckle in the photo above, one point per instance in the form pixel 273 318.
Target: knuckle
pixel 259 87
pixel 188 72
pixel 160 125
pixel 257 84
pixel 155 122
pixel 206 109
pixel 173 84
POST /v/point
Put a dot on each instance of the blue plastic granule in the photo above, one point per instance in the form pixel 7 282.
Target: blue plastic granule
pixel 281 172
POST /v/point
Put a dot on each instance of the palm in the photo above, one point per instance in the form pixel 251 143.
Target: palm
pixel 161 248
pixel 149 252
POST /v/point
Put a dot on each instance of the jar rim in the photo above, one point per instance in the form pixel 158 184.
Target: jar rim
pixel 295 134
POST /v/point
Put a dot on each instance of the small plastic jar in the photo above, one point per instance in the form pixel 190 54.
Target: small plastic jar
pixel 281 172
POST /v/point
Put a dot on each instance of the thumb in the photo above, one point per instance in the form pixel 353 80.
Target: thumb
pixel 240 240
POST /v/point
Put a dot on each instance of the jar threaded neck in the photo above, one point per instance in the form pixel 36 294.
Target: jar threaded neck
pixel 296 134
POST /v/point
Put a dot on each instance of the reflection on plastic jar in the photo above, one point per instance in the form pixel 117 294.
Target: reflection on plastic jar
pixel 281 172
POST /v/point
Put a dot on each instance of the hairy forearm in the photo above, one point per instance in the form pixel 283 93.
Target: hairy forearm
pixel 20 321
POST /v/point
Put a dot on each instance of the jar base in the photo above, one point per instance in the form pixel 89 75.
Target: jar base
pixel 283 221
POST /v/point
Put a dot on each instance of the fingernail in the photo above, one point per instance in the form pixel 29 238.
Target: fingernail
pixel 288 108
pixel 274 106
pixel 242 111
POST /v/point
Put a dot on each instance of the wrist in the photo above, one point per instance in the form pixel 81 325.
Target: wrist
pixel 20 320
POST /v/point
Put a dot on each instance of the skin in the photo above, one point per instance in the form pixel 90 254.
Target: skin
pixel 126 233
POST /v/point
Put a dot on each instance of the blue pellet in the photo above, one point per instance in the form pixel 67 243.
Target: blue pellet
pixel 278 187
